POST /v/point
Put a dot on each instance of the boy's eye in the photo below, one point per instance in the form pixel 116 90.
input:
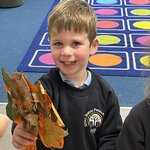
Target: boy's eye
pixel 76 43
pixel 57 44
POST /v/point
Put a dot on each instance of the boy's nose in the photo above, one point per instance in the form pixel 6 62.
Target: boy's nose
pixel 66 51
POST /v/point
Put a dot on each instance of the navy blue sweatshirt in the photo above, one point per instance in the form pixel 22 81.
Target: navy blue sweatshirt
pixel 91 115
pixel 135 134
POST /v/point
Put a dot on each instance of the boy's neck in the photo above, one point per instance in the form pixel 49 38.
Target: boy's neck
pixel 79 81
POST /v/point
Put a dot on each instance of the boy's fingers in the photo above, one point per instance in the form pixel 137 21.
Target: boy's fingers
pixel 21 138
pixel 18 146
pixel 20 131
pixel 21 142
pixel 27 135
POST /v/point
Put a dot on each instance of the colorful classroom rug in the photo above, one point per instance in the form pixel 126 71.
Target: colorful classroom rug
pixel 123 31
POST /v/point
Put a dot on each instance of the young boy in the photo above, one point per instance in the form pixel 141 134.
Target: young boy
pixel 86 103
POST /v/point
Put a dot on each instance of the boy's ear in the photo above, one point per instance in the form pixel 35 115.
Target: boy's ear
pixel 94 46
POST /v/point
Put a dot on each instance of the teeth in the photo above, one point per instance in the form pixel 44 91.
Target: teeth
pixel 69 62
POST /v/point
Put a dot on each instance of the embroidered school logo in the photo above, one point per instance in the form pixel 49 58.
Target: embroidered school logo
pixel 93 119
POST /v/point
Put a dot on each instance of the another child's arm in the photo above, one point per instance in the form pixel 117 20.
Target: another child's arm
pixel 21 138
pixel 3 124
pixel 135 131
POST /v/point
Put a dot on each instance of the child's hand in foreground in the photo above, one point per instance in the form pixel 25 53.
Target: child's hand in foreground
pixel 21 138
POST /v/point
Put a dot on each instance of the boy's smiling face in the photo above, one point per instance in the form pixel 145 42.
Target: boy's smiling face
pixel 71 51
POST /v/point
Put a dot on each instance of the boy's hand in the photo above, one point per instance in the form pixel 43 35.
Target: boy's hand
pixel 21 138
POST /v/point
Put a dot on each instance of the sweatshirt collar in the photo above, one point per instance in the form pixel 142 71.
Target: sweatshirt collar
pixel 70 82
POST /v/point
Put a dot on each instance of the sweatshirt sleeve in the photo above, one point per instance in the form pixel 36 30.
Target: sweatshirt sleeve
pixel 112 124
pixel 132 133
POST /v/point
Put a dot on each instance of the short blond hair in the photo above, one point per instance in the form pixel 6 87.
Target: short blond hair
pixel 74 15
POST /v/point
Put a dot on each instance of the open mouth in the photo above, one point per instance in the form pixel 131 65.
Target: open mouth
pixel 68 62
